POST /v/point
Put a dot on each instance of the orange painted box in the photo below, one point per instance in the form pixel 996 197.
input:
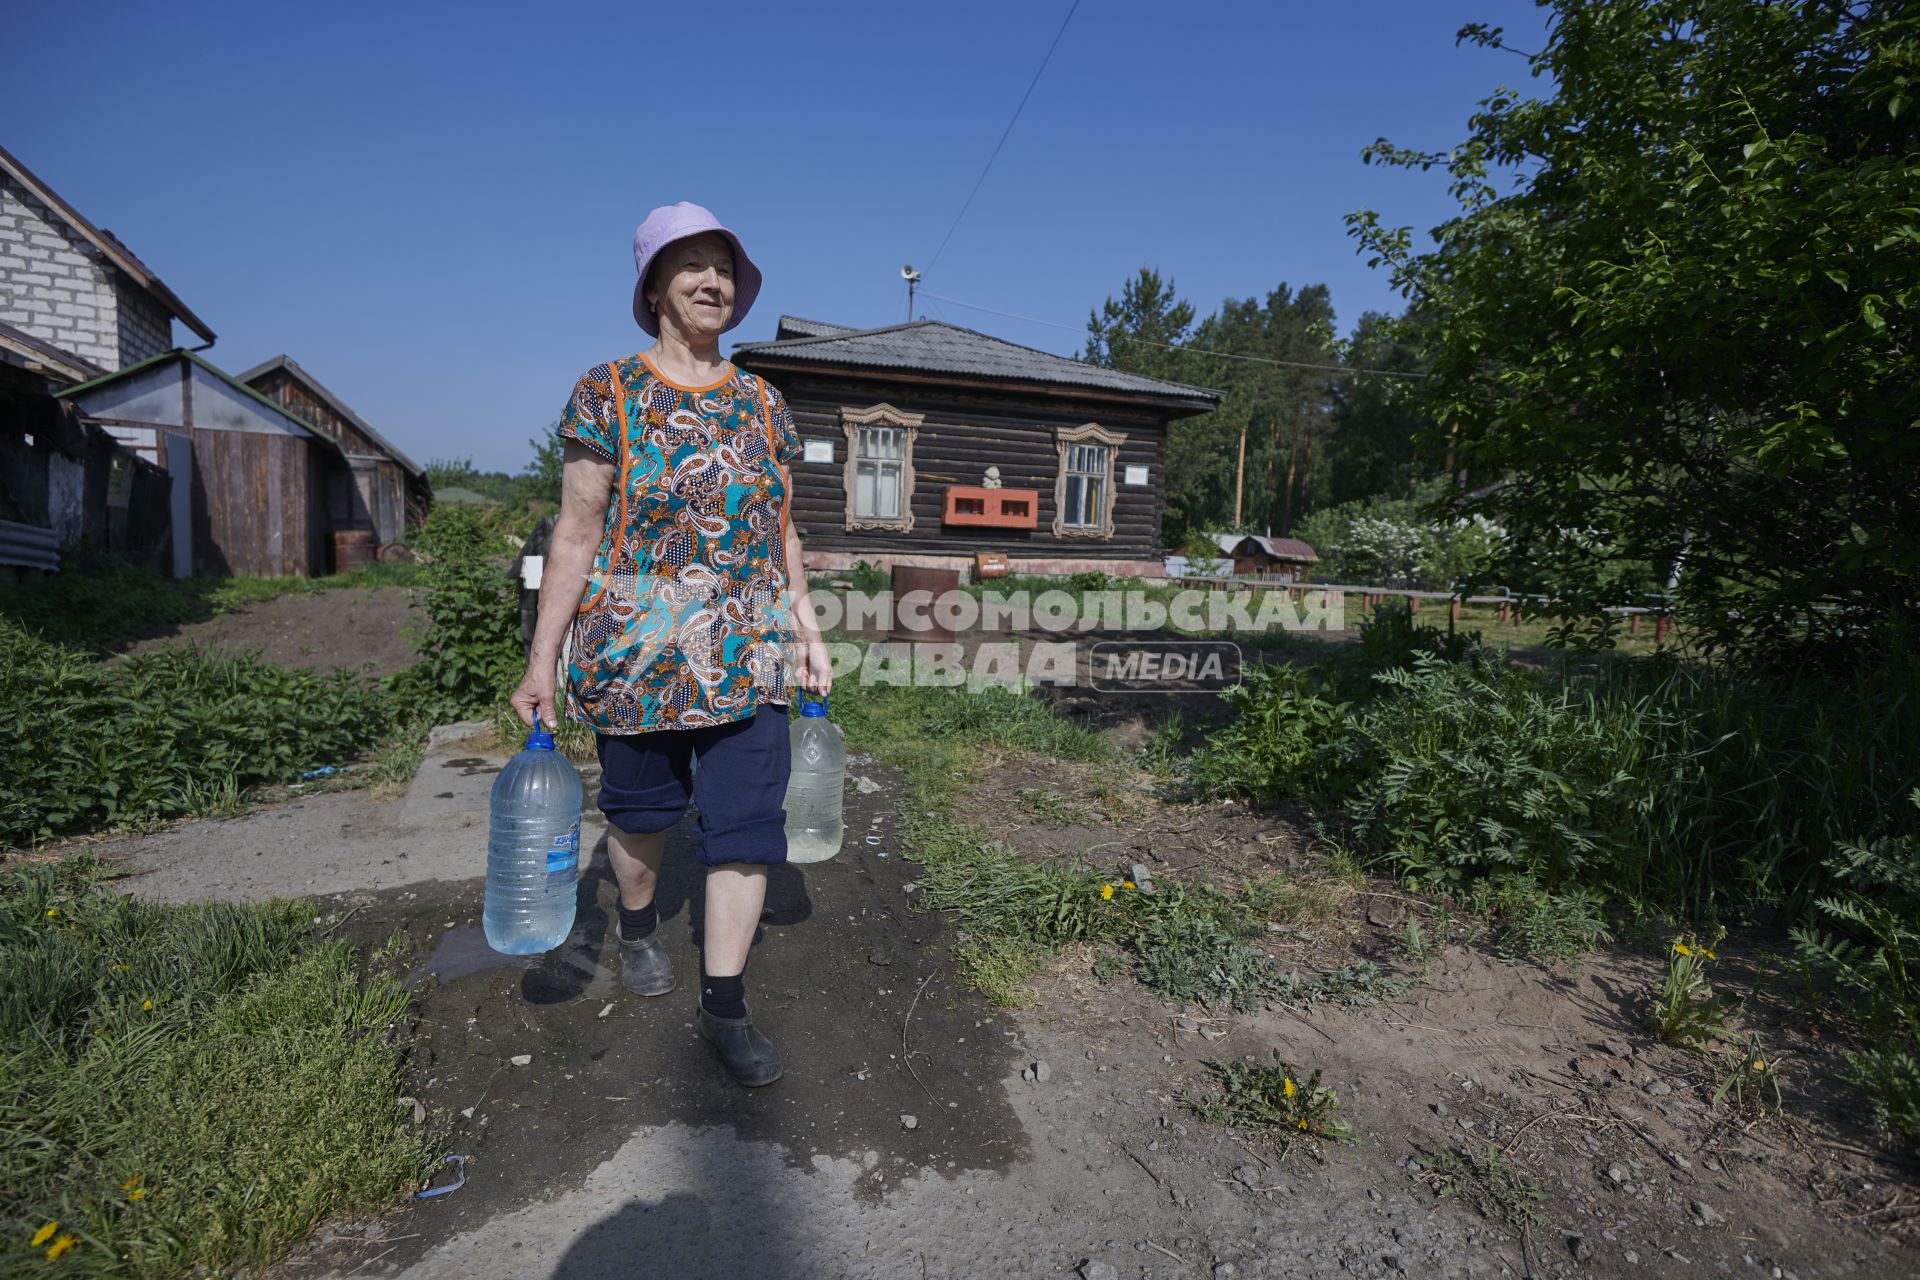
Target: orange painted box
pixel 991 508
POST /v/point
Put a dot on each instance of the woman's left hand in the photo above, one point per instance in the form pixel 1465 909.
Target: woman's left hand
pixel 815 667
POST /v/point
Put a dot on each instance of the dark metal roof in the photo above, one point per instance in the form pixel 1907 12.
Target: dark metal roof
pixel 795 327
pixel 1235 544
pixel 333 402
pixel 933 346
pixel 107 243
pixel 17 346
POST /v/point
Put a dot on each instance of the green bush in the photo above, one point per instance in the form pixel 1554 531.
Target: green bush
pixel 186 1090
pixel 102 606
pixel 92 745
pixel 1871 946
pixel 1283 740
pixel 470 653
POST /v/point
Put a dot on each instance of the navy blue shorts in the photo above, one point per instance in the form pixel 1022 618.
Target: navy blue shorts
pixel 646 780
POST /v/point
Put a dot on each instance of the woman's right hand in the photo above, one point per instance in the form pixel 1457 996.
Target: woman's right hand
pixel 536 693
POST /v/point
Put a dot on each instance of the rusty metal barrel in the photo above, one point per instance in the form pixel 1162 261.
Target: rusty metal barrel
pixel 352 548
pixel 911 624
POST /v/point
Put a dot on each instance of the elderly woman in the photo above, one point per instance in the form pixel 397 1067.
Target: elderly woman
pixel 674 575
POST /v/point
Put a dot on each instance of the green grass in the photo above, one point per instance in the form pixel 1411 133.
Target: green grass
pixel 1015 912
pixel 187 1089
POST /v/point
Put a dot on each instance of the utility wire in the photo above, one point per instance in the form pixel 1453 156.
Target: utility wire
pixel 1005 135
pixel 1205 351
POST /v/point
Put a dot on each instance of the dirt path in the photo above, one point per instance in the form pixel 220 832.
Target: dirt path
pixel 338 628
pixel 618 1149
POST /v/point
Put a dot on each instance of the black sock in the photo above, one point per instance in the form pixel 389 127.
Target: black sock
pixel 724 997
pixel 637 923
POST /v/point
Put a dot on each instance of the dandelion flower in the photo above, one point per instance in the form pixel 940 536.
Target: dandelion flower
pixel 138 1193
pixel 1303 1124
pixel 133 1183
pixel 1128 884
pixel 1106 893
pixel 1287 1086
pixel 1682 949
pixel 52 912
pixel 44 1234
pixel 117 968
pixel 59 1247
pixel 147 1007
pixel 1708 954
pixel 1759 1065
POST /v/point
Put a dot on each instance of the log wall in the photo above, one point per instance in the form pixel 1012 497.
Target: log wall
pixel 965 431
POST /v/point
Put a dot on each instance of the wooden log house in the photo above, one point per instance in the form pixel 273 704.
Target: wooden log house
pixel 930 445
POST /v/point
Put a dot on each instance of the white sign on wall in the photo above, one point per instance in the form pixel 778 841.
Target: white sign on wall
pixel 1136 473
pixel 818 451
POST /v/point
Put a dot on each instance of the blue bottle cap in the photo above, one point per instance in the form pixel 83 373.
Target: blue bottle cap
pixel 539 740
pixel 813 710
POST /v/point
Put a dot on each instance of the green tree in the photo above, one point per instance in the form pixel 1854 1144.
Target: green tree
pixel 1142 331
pixel 1379 422
pixel 1273 358
pixel 1672 321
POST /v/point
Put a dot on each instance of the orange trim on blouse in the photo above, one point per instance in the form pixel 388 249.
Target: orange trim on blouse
pixel 625 454
pixel 711 386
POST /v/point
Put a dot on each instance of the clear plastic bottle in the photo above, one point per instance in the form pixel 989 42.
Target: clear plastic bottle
pixel 814 791
pixel 533 850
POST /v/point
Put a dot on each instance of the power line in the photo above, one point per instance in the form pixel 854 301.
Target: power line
pixel 1205 351
pixel 1004 135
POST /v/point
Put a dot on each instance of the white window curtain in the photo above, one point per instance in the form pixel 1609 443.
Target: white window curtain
pixel 1086 487
pixel 878 465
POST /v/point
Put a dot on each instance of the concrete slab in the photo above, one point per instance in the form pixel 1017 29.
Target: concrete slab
pixel 338 842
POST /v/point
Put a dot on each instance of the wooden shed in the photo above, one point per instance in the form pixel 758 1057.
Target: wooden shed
pixel 384 490
pixel 928 444
pixel 1255 556
pixel 256 476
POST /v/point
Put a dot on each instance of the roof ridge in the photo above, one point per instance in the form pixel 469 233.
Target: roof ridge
pixel 334 402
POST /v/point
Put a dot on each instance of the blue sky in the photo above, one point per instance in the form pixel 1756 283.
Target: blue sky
pixel 431 206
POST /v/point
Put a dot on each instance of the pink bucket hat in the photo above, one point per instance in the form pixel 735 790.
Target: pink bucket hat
pixel 672 222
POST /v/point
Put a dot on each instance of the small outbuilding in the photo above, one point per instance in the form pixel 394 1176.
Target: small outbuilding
pixel 385 490
pixel 1278 559
pixel 250 479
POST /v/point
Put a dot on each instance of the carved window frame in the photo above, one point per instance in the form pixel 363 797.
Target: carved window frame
pixel 851 420
pixel 1063 439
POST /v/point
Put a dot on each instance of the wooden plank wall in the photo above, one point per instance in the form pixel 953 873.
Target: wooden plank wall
pixel 250 504
pixel 965 432
pixel 284 390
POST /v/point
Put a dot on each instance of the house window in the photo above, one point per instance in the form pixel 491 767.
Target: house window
pixel 1084 497
pixel 1083 493
pixel 879 468
pixel 878 472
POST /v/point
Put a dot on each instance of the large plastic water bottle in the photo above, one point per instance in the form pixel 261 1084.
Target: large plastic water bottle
pixel 533 850
pixel 814 790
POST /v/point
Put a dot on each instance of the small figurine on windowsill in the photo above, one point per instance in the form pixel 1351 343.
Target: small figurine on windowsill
pixel 992 479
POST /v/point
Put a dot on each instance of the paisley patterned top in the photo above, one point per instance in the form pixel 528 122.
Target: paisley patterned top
pixel 683 621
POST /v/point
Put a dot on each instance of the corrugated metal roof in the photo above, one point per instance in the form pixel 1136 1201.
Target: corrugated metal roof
pixel 933 346
pixel 333 402
pixel 1279 548
pixel 795 327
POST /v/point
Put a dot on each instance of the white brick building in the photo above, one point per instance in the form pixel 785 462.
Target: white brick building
pixel 66 282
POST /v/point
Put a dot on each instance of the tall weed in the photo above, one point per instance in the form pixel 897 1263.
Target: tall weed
pixel 90 745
